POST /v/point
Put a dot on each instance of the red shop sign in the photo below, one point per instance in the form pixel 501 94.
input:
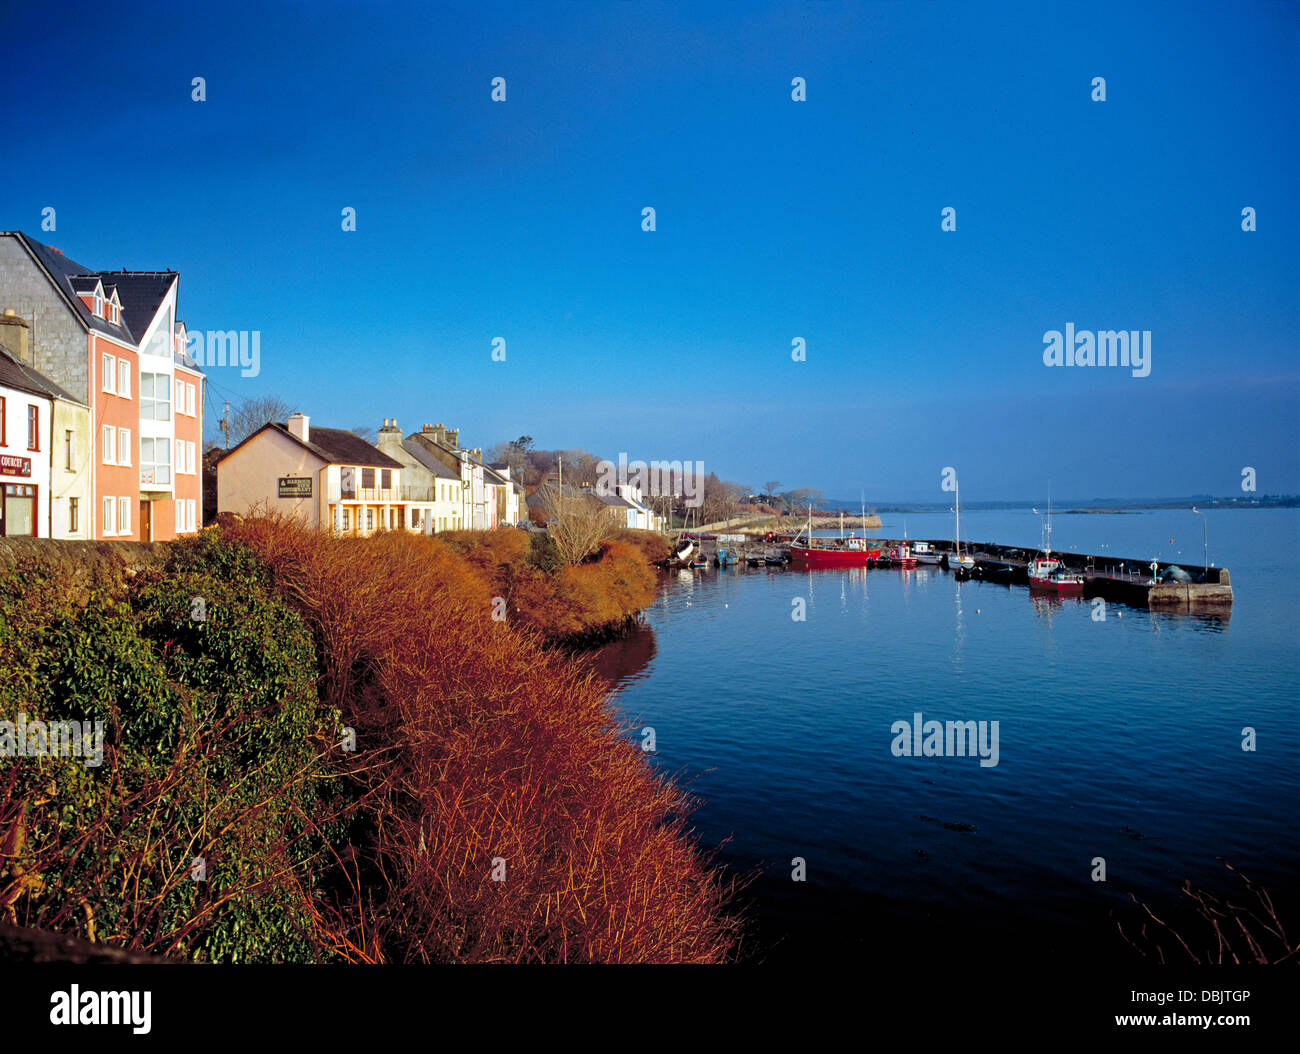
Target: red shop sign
pixel 15 466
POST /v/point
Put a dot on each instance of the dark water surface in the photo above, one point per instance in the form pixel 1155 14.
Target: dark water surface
pixel 1119 739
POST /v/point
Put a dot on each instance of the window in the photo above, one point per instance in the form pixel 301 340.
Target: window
pixel 370 516
pixel 189 399
pixel 108 372
pixel 180 394
pixel 124 446
pixel 99 305
pixel 109 446
pixel 109 505
pixel 193 508
pixel 123 515
pixel 190 450
pixel 72 515
pixel 2 421
pixel 386 478
pixel 155 460
pixel 116 313
pixel 33 428
pixel 155 397
pixel 70 439
pixel 160 344
pixel 368 479
pixel 124 378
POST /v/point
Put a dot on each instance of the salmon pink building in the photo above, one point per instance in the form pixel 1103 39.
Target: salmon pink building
pixel 112 339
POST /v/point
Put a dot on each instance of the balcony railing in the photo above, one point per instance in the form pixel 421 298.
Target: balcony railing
pixel 390 495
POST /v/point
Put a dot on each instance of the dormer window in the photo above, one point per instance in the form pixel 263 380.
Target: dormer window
pixel 98 307
pixel 114 313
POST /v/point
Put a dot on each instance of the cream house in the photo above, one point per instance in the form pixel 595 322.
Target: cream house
pixel 429 483
pixel 327 477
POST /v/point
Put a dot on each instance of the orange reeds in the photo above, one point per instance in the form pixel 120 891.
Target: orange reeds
pixel 507 819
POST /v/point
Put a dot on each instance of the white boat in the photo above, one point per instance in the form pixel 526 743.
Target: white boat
pixel 925 553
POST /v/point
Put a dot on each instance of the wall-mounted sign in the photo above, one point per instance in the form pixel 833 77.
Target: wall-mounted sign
pixel 15 466
pixel 294 486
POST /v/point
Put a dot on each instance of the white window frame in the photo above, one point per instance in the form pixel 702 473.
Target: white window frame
pixel 110 504
pixel 191 449
pixel 193 505
pixel 108 446
pixel 124 446
pixel 189 400
pixel 108 371
pixel 123 515
pixel 124 378
pixel 180 395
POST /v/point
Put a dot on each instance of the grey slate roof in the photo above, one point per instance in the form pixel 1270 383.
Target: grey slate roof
pixel 141 294
pixel 21 377
pixel 422 455
pixel 332 445
pixel 613 500
pixel 62 271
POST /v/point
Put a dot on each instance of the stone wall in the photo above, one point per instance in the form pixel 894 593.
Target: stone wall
pixel 58 340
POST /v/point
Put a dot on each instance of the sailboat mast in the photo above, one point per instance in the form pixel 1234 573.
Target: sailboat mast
pixel 957 540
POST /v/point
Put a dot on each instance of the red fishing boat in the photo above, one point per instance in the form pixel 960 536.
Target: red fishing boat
pixel 901 556
pixel 1049 574
pixel 854 553
pixel 1046 572
pixel 842 552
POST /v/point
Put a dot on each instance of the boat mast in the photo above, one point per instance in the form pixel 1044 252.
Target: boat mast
pixel 957 539
pixel 1048 527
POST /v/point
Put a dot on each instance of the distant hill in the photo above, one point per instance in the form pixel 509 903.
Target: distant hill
pixel 1091 505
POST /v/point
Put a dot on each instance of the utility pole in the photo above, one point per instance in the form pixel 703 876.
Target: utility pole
pixel 224 424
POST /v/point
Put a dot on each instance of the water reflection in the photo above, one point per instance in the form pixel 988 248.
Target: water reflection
pixel 626 660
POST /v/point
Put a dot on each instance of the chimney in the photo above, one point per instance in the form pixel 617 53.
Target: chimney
pixel 390 438
pixel 451 435
pixel 15 334
pixel 299 427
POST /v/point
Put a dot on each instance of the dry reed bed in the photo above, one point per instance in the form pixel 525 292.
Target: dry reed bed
pixel 480 751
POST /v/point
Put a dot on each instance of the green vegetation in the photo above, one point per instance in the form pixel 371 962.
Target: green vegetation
pixel 487 807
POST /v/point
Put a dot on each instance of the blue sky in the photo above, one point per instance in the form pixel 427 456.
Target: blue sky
pixel 775 220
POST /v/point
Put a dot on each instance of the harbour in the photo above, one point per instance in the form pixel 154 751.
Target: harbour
pixel 1128 580
pixel 1118 738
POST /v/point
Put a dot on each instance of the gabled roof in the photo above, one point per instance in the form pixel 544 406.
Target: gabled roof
pixel 141 294
pixel 62 271
pixel 334 446
pixel 613 500
pixel 18 375
pixel 422 455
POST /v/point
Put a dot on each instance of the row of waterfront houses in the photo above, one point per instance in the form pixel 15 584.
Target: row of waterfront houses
pixel 422 482
pixel 101 408
pixel 334 479
pixel 101 429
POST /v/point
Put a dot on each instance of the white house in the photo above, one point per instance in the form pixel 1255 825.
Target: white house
pixel 26 435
